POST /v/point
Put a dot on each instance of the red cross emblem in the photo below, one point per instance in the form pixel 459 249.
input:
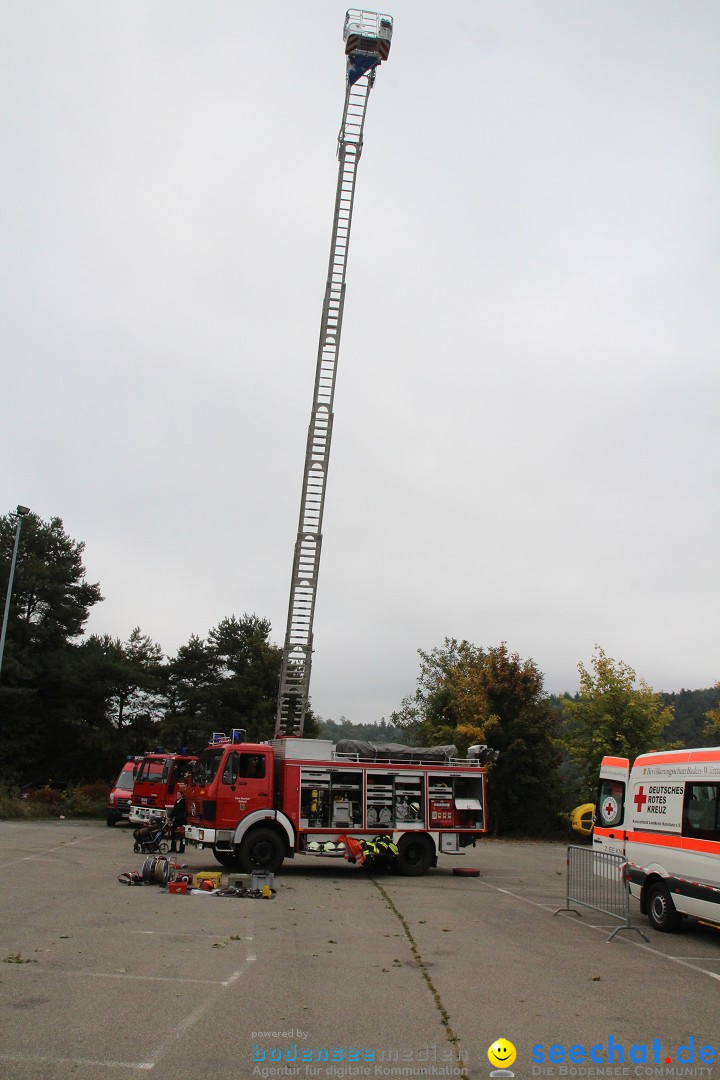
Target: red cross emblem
pixel 640 798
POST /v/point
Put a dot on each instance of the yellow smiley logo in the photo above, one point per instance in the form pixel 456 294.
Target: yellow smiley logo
pixel 502 1053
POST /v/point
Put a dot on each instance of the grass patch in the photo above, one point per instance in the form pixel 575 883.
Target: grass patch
pixel 81 801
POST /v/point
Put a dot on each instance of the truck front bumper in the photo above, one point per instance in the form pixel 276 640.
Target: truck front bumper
pixel 203 837
pixel 142 815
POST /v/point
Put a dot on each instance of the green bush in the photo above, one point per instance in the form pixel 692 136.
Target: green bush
pixel 83 801
pixel 14 808
pixel 45 796
pixel 97 793
pixel 87 801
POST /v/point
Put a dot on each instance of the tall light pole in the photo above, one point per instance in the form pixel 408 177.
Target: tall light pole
pixel 20 513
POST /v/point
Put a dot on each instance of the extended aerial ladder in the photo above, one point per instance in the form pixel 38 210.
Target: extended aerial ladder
pixel 367 36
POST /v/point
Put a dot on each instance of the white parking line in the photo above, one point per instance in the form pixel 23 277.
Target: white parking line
pixel 189 1022
pixel 678 960
pixel 144 978
pixel 125 932
pixel 165 1046
pixel 44 854
pixel 36 1059
pixel 710 959
pixel 595 926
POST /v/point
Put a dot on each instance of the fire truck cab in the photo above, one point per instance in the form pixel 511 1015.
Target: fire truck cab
pixel 662 814
pixel 256 804
pixel 156 784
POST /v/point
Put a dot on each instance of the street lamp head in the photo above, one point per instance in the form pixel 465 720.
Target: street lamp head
pixel 23 511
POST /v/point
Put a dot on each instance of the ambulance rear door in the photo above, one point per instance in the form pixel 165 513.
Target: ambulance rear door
pixel 609 828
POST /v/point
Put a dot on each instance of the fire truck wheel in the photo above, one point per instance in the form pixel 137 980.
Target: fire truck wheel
pixel 225 858
pixel 416 854
pixel 261 850
pixel 661 910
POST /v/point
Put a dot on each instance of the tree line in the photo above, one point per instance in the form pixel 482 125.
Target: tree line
pixel 73 705
pixel 550 746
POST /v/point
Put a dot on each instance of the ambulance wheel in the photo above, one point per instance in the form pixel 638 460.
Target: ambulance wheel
pixel 225 858
pixel 416 854
pixel 661 910
pixel 261 851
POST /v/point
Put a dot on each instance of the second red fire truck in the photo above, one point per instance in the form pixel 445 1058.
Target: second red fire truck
pixel 158 780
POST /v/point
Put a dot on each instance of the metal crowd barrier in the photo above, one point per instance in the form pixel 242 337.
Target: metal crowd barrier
pixel 597 880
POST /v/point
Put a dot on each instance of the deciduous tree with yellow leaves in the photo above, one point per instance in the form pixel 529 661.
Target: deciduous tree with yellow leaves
pixel 712 726
pixel 614 712
pixel 467 694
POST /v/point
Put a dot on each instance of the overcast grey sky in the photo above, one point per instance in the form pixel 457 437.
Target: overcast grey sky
pixel 526 418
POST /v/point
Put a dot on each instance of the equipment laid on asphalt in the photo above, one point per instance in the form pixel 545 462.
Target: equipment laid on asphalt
pixel 207 879
pixel 156 869
pixel 131 877
pixel 176 879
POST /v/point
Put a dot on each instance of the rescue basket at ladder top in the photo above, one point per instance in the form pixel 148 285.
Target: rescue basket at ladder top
pixel 367 37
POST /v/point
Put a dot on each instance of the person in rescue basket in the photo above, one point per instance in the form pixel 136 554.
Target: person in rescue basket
pixel 177 819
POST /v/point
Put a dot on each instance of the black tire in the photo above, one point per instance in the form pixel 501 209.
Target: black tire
pixel 225 858
pixel 416 854
pixel 111 820
pixel 661 910
pixel 261 851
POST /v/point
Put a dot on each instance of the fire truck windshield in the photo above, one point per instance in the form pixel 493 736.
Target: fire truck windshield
pixel 153 769
pixel 125 781
pixel 208 765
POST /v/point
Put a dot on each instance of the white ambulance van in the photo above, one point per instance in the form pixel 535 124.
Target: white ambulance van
pixel 662 816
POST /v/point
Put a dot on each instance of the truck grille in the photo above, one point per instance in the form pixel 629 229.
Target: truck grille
pixel 204 810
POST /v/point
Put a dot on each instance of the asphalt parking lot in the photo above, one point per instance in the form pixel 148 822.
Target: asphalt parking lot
pixel 340 974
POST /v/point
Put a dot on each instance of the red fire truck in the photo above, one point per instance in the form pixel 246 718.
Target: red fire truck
pixel 156 784
pixel 256 804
